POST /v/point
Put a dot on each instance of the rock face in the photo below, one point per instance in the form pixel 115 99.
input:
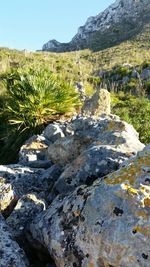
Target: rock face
pixel 106 224
pixel 25 210
pixel 10 253
pixel 96 148
pixel 97 105
pixel 120 21
pixel 130 78
pixel 54 210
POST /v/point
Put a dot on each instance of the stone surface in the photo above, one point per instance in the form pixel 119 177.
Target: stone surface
pixel 122 20
pixel 7 196
pixel 11 255
pixel 97 147
pixel 145 75
pixel 64 150
pixel 72 154
pixel 53 131
pixel 19 180
pixel 34 149
pixel 98 104
pixel 24 212
pixel 106 224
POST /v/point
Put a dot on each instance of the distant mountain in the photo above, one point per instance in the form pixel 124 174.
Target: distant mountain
pixel 121 21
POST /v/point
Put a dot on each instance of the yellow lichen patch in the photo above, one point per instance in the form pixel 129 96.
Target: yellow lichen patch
pixel 91 264
pixel 142 230
pixel 133 191
pixel 147 202
pixel 129 173
pixel 142 214
pixel 129 189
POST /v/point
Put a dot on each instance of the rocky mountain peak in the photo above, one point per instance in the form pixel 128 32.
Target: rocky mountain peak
pixel 120 21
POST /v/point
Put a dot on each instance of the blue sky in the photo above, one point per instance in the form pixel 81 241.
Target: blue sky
pixel 30 23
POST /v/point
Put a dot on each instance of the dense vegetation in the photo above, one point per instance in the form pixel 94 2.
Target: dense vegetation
pixel 134 110
pixel 33 98
pixel 37 88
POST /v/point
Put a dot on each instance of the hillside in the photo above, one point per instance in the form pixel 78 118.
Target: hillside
pixel 83 65
pixel 121 21
pixel 123 69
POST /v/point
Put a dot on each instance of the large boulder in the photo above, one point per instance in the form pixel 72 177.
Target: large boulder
pixel 33 150
pixel 106 130
pixel 145 75
pixel 11 255
pixel 64 150
pixel 98 104
pixel 17 181
pixel 97 147
pixel 53 131
pixel 106 224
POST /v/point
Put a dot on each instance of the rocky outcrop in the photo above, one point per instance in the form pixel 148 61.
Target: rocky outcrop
pixel 120 21
pixel 24 212
pixel 96 148
pixel 106 224
pixel 49 195
pixel 10 252
pixel 98 104
pixel 127 77
pixel 18 180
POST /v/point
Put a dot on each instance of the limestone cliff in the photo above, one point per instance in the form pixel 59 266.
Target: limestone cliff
pixel 120 21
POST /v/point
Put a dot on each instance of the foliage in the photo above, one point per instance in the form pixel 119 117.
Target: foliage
pixel 36 97
pixel 72 67
pixel 123 71
pixel 33 98
pixel 134 110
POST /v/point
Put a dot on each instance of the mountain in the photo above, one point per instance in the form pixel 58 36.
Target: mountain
pixel 123 20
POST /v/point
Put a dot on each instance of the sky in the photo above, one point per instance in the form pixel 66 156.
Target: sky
pixel 28 24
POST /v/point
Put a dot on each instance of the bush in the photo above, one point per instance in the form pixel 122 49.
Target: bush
pixel 134 110
pixel 34 98
pixel 123 71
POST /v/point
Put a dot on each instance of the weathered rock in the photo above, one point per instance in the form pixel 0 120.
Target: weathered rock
pixel 145 75
pixel 98 104
pixel 93 163
pixel 103 30
pixel 135 74
pixel 10 252
pixel 34 149
pixel 19 180
pixel 64 150
pixel 7 197
pixel 45 164
pixel 24 212
pixel 107 224
pixel 53 131
pixel 97 148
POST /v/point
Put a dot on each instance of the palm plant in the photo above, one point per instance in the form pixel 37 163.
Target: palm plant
pixel 34 98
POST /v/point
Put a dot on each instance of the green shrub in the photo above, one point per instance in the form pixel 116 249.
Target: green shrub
pixel 123 71
pixel 34 98
pixel 146 64
pixel 134 110
pixel 147 87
